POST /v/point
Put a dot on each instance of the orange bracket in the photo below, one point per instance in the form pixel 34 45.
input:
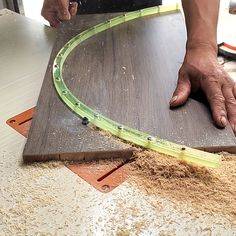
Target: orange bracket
pixel 103 177
pixel 21 123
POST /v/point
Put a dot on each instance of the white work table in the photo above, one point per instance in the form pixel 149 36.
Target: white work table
pixel 38 200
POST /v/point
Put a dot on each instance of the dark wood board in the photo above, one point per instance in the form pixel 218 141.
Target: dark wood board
pixel 127 73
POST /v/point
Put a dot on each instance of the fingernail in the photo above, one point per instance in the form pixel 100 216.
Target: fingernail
pixel 223 121
pixel 173 99
pixel 234 128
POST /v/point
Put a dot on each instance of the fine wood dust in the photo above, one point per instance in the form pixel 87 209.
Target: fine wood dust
pixel 206 190
pixel 122 143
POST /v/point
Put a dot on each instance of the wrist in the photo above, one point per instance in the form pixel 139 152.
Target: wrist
pixel 206 46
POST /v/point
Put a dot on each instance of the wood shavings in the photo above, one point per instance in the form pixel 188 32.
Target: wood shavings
pixel 122 232
pixel 41 200
pixel 26 194
pixel 210 190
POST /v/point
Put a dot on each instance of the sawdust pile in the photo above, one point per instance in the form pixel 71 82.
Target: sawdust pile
pixel 22 194
pixel 209 190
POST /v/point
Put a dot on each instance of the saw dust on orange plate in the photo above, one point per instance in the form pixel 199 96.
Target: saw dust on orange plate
pixel 210 190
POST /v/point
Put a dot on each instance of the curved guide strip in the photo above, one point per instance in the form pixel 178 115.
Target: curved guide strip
pixel 137 137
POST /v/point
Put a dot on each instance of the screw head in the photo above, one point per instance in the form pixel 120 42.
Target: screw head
pixel 150 138
pixel 85 121
pixel 105 188
pixel 120 127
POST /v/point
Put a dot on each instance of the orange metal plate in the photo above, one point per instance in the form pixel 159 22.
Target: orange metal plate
pixel 21 123
pixel 104 177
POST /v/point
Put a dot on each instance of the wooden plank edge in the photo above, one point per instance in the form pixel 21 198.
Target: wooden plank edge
pixel 79 156
pixel 101 155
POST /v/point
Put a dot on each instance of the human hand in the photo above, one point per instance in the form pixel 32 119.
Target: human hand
pixel 56 11
pixel 201 71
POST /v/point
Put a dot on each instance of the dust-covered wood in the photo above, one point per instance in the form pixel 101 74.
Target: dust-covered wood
pixel 127 73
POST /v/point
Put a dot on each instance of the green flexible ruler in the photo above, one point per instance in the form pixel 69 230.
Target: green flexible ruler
pixel 134 136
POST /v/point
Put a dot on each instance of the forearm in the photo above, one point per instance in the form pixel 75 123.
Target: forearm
pixel 201 18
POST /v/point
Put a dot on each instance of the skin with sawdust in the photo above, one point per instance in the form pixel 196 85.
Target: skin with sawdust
pixel 200 70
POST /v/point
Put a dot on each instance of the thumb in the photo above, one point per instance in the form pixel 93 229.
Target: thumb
pixel 182 91
pixel 63 7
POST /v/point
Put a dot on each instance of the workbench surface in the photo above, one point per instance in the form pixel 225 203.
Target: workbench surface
pixel 49 199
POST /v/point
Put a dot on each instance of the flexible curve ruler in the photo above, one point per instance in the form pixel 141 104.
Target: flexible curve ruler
pixel 134 136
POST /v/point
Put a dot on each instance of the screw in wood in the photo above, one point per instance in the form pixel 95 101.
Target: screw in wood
pixel 85 121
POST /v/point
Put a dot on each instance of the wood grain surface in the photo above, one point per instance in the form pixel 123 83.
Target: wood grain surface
pixel 127 73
